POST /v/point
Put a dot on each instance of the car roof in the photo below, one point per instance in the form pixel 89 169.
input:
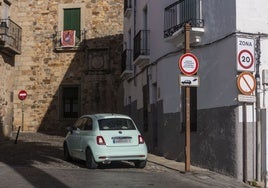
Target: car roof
pixel 106 115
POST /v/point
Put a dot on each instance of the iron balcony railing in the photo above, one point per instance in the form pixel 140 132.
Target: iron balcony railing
pixel 181 12
pixel 127 5
pixel 79 41
pixel 141 43
pixel 10 35
pixel 126 64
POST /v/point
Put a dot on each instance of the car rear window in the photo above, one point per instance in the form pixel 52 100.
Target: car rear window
pixel 116 124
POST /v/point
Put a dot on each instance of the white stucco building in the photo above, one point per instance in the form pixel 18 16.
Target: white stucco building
pixel 153 44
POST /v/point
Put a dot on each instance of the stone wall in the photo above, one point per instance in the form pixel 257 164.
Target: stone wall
pixel 40 70
pixel 6 95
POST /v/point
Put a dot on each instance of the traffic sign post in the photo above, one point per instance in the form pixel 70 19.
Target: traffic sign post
pixel 246 84
pixel 22 96
pixel 188 65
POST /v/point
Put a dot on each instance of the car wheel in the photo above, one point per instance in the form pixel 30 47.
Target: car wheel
pixel 67 156
pixel 90 161
pixel 140 164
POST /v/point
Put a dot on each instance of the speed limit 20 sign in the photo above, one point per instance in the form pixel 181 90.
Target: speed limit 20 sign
pixel 245 54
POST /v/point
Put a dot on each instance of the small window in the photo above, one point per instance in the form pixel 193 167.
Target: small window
pixel 116 124
pixel 88 124
pixel 80 123
pixel 69 102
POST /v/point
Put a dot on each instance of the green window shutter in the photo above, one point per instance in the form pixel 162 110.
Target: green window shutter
pixel 72 20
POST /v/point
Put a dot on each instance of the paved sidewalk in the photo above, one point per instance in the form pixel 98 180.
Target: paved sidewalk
pixel 199 174
pixel 171 164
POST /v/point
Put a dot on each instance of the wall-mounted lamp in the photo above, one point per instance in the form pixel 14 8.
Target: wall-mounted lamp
pixel 3 28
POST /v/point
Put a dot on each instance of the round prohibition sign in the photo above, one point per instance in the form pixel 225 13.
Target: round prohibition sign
pixel 246 83
pixel 188 64
pixel 22 95
pixel 245 59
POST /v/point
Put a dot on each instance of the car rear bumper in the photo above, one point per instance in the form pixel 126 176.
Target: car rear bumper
pixel 120 154
pixel 122 158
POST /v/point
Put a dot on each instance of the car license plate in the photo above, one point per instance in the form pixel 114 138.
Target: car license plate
pixel 117 140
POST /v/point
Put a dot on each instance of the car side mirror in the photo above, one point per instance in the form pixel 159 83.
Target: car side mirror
pixel 70 129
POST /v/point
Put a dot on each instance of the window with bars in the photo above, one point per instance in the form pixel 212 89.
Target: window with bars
pixel 69 101
pixel 181 12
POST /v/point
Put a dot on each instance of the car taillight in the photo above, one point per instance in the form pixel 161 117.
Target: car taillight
pixel 141 140
pixel 100 140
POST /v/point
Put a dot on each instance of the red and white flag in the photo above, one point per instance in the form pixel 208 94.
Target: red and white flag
pixel 68 38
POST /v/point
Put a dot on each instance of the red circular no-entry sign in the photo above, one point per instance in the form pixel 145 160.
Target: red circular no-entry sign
pixel 188 64
pixel 22 94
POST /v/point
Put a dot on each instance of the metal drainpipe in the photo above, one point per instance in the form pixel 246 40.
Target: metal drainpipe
pixel 265 139
pixel 134 34
pixel 258 113
pixel 135 14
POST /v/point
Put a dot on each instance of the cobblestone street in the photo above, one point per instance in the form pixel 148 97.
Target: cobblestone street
pixel 37 161
pixel 33 149
pixel 45 150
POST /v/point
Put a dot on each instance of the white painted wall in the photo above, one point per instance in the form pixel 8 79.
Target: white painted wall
pixel 217 57
pixel 167 76
pixel 252 16
pixel 216 54
pixel 219 17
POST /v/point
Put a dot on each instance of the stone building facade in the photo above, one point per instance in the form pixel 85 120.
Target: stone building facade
pixel 10 46
pixel 66 77
pixel 6 94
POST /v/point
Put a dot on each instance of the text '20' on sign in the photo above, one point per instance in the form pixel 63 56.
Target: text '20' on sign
pixel 188 64
pixel 245 54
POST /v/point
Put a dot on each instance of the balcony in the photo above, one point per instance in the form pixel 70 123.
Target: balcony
pixel 10 37
pixel 141 49
pixel 77 43
pixel 177 15
pixel 127 8
pixel 126 65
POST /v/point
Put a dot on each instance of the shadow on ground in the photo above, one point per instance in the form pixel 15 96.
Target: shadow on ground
pixel 38 151
pixel 33 150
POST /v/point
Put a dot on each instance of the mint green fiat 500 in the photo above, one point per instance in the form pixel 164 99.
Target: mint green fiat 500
pixel 103 138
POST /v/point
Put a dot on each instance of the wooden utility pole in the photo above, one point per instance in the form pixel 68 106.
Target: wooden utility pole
pixel 187 106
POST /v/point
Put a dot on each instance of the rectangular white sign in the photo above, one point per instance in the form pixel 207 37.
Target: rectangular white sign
pixel 191 81
pixel 245 48
pixel 247 98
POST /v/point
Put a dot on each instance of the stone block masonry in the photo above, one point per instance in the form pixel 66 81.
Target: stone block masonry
pixel 42 71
